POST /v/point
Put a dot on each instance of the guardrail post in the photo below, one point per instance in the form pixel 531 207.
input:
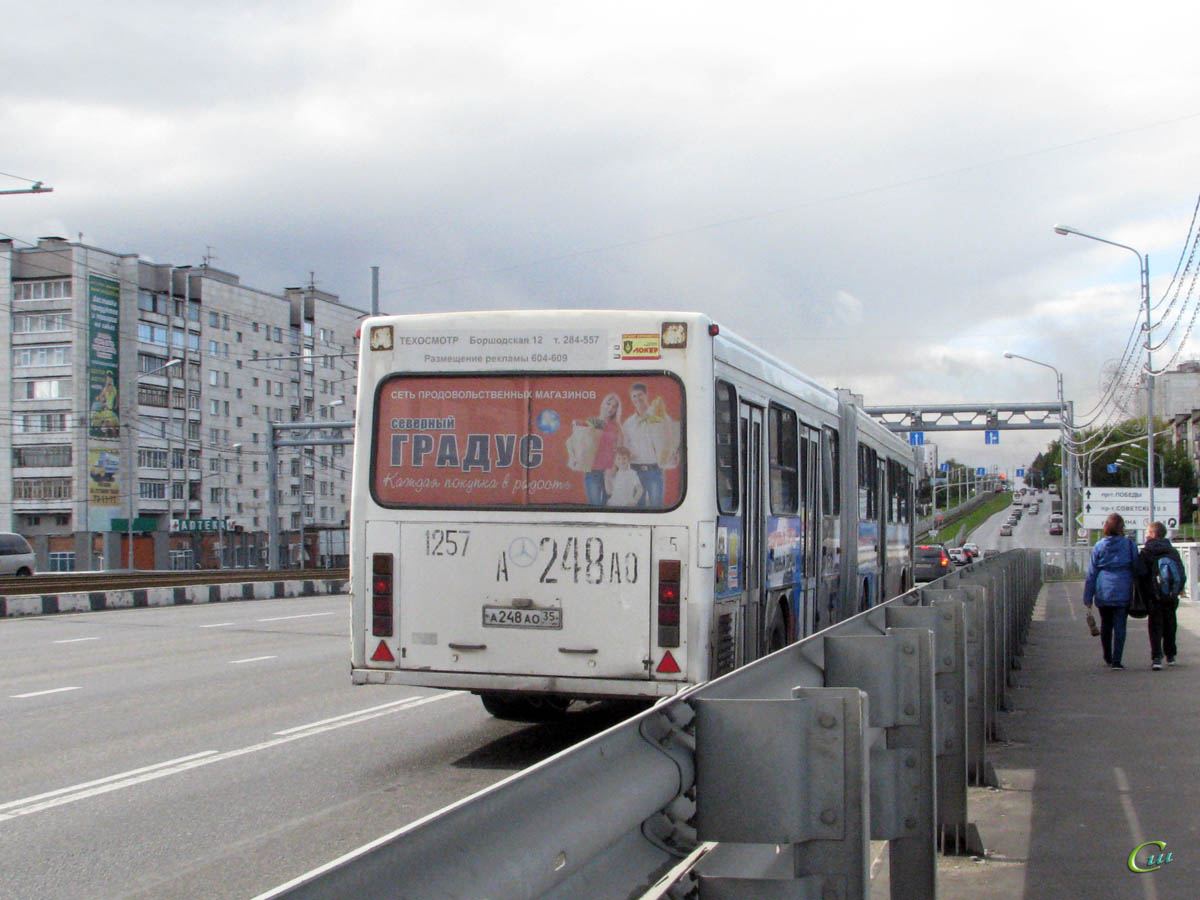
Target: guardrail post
pixel 896 671
pixel 945 616
pixel 784 772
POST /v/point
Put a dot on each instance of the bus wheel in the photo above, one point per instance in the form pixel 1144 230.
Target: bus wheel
pixel 523 708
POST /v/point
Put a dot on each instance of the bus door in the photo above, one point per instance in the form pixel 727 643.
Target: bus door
pixel 753 598
pixel 810 506
pixel 881 520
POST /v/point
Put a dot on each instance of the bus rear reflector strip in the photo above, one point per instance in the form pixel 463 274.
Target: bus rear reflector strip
pixel 382 598
pixel 668 604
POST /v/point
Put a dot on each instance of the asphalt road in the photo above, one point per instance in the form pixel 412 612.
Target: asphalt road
pixel 1031 531
pixel 216 751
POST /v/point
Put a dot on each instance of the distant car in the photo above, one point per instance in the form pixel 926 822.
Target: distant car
pixel 959 556
pixel 1005 530
pixel 930 562
pixel 973 549
pixel 1033 510
pixel 1056 528
pixel 16 556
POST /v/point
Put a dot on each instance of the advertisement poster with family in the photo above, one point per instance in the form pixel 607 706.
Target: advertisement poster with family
pixel 557 440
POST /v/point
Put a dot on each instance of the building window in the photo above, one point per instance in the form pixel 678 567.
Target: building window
pixel 214 320
pixel 148 301
pixel 193 431
pixel 57 289
pixel 214 349
pixel 193 400
pixel 42 389
pixel 37 323
pixel 152 334
pixel 149 395
pixel 35 423
pixel 193 459
pixel 42 488
pixel 152 458
pixel 149 363
pixel 176 490
pixel 57 355
pixel 214 377
pixel 62 561
pixel 42 455
pixel 152 490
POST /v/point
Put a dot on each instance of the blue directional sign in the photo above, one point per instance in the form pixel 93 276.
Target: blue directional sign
pixel 1020 473
pixel 1113 468
pixel 981 471
pixel 991 436
pixel 916 438
pixel 944 467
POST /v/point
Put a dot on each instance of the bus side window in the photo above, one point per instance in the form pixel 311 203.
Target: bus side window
pixel 831 472
pixel 727 449
pixel 781 441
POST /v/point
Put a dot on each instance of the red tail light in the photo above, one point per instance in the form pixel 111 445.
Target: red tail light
pixel 945 560
pixel 382 596
pixel 668 602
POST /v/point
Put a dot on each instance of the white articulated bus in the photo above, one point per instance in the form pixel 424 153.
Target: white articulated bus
pixel 552 506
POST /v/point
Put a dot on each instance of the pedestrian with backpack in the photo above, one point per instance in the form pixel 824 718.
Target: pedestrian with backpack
pixel 1115 563
pixel 1162 582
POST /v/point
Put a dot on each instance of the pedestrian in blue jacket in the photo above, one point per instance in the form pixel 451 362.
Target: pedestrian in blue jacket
pixel 1110 585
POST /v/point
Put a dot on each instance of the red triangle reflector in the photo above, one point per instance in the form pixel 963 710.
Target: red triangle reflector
pixel 668 666
pixel 382 653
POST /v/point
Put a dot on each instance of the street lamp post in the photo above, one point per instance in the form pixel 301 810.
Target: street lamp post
pixel 1069 466
pixel 132 462
pixel 1144 265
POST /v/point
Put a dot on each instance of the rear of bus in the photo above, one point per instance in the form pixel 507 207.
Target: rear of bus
pixel 521 512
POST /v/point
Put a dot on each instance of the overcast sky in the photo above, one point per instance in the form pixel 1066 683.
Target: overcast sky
pixel 867 192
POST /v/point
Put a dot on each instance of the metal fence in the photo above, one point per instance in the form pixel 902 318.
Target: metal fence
pixel 1065 563
pixel 769 782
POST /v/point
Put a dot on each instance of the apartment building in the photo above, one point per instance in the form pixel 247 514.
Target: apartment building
pixel 138 402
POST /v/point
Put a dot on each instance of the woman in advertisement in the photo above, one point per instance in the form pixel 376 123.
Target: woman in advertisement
pixel 605 431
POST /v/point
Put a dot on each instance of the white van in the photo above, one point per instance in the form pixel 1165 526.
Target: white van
pixel 16 556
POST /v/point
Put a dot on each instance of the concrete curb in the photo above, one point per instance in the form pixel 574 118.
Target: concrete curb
pixel 96 601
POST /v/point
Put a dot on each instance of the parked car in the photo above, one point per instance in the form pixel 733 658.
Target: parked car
pixel 16 556
pixel 930 562
pixel 1056 528
pixel 1006 529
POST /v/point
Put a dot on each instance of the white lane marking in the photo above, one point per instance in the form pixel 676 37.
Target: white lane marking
pixel 108 779
pixel 42 693
pixel 217 625
pixel 1149 891
pixel 301 616
pixel 76 640
pixel 63 796
pixel 407 701
pixel 234 662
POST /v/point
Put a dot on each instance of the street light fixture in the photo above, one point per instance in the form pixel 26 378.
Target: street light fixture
pixel 129 522
pixel 1144 265
pixel 1069 468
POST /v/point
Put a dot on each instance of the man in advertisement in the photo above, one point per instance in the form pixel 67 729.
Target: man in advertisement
pixel 644 439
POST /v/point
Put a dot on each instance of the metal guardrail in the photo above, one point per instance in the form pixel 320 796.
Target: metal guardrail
pixel 769 782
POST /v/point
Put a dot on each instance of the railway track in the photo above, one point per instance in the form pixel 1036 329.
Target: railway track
pixel 61 583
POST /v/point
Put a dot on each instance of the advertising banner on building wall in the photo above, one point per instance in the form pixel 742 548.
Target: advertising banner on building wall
pixel 104 423
pixel 104 311
pixel 558 441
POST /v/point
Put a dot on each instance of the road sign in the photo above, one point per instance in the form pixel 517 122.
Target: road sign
pixel 1133 504
pixel 991 436
pixel 1113 468
pixel 981 471
pixel 916 438
pixel 944 467
pixel 1020 473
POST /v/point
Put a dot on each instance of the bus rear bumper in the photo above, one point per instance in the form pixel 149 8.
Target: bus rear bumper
pixel 581 688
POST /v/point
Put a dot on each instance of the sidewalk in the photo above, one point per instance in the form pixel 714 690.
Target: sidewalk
pixel 1094 763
